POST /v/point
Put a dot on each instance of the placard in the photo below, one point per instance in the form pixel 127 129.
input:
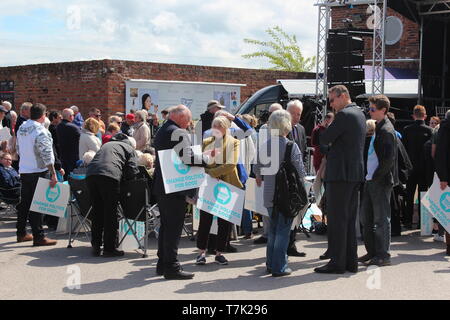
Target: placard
pixel 426 219
pixel 130 243
pixel 196 222
pixel 222 200
pixel 437 202
pixel 5 135
pixel 50 201
pixel 176 175
pixel 254 197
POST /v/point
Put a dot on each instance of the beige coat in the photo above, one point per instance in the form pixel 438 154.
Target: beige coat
pixel 142 136
pixel 88 142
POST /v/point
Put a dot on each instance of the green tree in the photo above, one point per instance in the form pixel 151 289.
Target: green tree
pixel 282 51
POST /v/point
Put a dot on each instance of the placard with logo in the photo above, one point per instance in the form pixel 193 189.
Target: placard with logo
pixel 50 201
pixel 176 175
pixel 196 222
pixel 437 202
pixel 222 200
pixel 129 242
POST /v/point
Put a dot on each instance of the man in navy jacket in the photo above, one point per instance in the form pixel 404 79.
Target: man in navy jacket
pixel 68 139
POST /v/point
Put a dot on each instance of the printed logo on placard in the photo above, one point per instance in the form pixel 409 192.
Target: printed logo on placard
pixel 179 166
pixel 53 194
pixel 222 194
pixel 445 202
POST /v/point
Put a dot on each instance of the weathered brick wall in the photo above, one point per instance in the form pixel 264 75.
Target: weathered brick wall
pixel 253 78
pixel 407 48
pixel 101 84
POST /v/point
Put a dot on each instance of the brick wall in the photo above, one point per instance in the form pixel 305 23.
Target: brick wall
pixel 407 47
pixel 102 83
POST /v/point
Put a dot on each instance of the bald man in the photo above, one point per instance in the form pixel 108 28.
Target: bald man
pixel 172 207
pixel 68 139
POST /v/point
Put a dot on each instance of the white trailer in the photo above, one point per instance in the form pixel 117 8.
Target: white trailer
pixel 159 95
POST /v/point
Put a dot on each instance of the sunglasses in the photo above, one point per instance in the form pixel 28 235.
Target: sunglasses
pixel 372 109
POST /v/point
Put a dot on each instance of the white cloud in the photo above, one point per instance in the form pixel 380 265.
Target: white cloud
pixel 174 31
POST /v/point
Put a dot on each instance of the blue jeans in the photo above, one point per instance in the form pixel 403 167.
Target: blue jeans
pixel 280 228
pixel 247 219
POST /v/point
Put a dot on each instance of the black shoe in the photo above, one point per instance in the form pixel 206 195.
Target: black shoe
pixel 352 269
pixel 365 258
pixel 231 249
pixel 286 272
pixel 260 240
pixel 295 253
pixel 96 251
pixel 379 262
pixel 221 260
pixel 325 256
pixel 179 275
pixel 408 226
pixel 114 253
pixel 396 234
pixel 329 269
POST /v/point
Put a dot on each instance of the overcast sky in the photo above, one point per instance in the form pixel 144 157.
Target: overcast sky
pixel 172 31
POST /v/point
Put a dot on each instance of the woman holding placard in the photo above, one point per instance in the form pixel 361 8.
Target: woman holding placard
pixel 224 167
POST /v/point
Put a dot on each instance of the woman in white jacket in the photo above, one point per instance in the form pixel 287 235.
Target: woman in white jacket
pixel 88 138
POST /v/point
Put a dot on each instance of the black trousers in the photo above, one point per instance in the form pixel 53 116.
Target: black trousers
pixel 416 179
pixel 104 193
pixel 396 208
pixel 28 186
pixel 223 232
pixel 342 209
pixel 172 209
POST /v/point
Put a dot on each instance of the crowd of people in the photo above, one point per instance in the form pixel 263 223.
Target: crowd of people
pixel 369 174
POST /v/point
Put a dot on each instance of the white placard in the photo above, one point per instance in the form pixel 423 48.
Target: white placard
pixel 5 135
pixel 50 201
pixel 176 175
pixel 254 197
pixel 426 219
pixel 196 222
pixel 222 200
pixel 130 243
pixel 437 202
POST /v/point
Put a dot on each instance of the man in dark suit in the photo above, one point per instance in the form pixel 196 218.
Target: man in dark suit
pixel 343 177
pixel 414 138
pixel 298 135
pixel 172 207
pixel 69 140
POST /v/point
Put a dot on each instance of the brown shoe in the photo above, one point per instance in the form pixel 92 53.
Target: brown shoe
pixel 25 238
pixel 44 242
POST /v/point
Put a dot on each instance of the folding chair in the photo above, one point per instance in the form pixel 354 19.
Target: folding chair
pixel 7 196
pixel 79 209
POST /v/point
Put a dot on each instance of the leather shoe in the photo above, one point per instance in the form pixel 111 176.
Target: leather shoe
pixel 295 253
pixel 25 238
pixel 329 269
pixel 178 275
pixel 325 256
pixel 114 253
pixel 352 269
pixel 96 251
pixel 260 240
pixel 379 262
pixel 365 258
pixel 45 242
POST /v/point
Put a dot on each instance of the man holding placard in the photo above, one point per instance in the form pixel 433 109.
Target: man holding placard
pixel 172 206
pixel 35 148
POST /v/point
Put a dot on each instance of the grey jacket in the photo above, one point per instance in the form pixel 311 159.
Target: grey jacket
pixel 345 138
pixel 275 160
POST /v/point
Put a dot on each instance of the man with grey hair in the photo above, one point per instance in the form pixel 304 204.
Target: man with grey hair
pixel 207 118
pixel 172 207
pixel 6 122
pixel 78 119
pixel 345 138
pixel 24 115
pixel 68 138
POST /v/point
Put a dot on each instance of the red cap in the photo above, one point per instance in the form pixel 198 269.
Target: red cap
pixel 130 116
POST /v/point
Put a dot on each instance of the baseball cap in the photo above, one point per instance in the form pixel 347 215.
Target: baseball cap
pixel 130 116
pixel 214 103
pixel 3 109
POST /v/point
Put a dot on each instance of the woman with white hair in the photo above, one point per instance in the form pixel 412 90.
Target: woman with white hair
pixel 223 167
pixel 141 131
pixel 280 225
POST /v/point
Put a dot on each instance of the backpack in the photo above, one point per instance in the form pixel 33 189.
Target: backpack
pixel 290 194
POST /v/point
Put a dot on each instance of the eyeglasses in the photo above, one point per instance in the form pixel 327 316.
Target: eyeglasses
pixel 6 159
pixel 371 109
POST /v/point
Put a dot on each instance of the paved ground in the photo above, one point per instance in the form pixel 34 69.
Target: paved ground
pixel 420 270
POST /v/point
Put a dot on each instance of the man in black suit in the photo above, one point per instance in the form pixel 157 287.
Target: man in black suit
pixel 298 135
pixel 69 140
pixel 343 177
pixel 172 207
pixel 414 138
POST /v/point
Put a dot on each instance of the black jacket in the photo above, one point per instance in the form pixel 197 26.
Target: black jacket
pixel 68 142
pixel 386 149
pixel 19 122
pixel 414 137
pixel 116 159
pixel 300 139
pixel 206 120
pixel 163 141
pixel 404 163
pixel 345 137
pixel 442 158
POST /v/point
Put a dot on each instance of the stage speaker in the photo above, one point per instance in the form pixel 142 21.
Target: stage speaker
pixel 345 75
pixel 344 43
